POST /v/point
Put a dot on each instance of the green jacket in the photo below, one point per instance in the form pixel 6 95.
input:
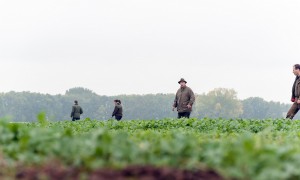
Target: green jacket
pixel 184 96
pixel 76 111
pixel 118 111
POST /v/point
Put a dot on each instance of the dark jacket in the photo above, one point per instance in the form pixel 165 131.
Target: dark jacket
pixel 297 89
pixel 76 111
pixel 184 96
pixel 294 86
pixel 118 111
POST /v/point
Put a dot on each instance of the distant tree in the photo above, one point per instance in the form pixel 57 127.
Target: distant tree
pixel 150 106
pixel 24 106
pixel 255 107
pixel 219 102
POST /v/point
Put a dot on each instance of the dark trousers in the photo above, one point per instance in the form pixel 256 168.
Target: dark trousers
pixel 293 111
pixel 184 115
pixel 74 119
pixel 118 118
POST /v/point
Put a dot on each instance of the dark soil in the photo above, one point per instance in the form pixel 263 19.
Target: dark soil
pixel 129 173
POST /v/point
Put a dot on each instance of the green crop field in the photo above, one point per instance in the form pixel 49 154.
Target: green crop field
pixel 235 149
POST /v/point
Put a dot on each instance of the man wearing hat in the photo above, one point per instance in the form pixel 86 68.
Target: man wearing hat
pixel 76 111
pixel 295 93
pixel 184 100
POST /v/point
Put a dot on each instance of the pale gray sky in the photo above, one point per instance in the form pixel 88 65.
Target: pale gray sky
pixel 145 46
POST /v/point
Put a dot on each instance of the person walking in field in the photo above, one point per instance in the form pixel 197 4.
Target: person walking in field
pixel 76 111
pixel 184 100
pixel 118 111
pixel 295 93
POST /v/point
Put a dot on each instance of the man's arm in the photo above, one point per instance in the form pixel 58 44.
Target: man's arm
pixel 72 112
pixel 175 101
pixel 115 111
pixel 192 98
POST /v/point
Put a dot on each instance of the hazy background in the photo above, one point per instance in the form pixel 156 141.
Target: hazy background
pixel 145 46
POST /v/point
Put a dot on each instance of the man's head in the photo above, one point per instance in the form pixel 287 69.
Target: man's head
pixel 117 101
pixel 182 82
pixel 76 102
pixel 296 69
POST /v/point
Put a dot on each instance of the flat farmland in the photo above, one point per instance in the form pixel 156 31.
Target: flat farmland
pixel 144 149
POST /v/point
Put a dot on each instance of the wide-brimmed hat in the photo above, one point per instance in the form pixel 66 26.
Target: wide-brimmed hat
pixel 181 80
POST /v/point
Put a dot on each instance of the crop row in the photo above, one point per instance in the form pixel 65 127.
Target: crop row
pixel 242 149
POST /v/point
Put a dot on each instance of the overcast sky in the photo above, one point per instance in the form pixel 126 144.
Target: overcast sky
pixel 145 46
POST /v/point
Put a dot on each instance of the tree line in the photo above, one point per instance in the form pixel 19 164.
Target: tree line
pixel 220 102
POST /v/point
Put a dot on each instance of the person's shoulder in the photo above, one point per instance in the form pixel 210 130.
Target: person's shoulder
pixel 190 89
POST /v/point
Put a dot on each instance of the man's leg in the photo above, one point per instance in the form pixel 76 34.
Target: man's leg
pixel 293 110
pixel 75 119
pixel 184 115
pixel 180 115
pixel 118 118
pixel 187 114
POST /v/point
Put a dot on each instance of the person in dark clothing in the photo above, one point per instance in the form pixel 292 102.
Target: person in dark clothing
pixel 118 111
pixel 184 100
pixel 76 111
pixel 295 93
